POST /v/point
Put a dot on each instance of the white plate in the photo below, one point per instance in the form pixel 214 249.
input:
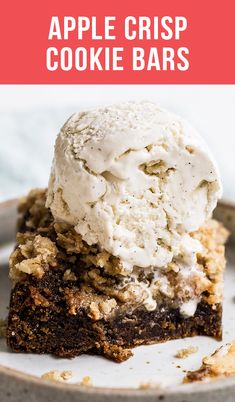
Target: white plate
pixel 154 365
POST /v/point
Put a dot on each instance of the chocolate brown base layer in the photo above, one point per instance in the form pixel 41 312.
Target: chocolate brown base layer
pixel 39 322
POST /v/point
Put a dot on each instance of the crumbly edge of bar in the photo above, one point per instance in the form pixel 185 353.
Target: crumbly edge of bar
pixel 44 244
pixel 3 326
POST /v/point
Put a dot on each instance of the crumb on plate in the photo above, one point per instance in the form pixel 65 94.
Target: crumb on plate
pixel 149 385
pixel 86 381
pixel 146 385
pixel 183 353
pixel 55 375
pixel 220 364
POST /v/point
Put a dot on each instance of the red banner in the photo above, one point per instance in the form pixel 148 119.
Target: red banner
pixel 123 42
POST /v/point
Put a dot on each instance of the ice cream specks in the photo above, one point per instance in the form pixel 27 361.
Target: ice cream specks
pixel 134 179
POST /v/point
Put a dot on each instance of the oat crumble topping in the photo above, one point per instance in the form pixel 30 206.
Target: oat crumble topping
pixel 46 244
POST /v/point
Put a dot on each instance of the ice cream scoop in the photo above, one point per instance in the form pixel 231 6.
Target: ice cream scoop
pixel 134 179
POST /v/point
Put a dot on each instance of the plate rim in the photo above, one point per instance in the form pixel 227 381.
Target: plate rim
pixel 184 389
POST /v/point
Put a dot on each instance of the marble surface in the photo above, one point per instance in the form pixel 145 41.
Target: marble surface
pixel 31 116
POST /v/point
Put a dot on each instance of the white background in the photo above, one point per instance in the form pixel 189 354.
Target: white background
pixel 30 117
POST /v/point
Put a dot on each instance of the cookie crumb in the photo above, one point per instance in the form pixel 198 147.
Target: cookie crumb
pixel 86 381
pixel 220 364
pixel 146 385
pixel 3 328
pixel 183 353
pixel 56 375
pixel 149 385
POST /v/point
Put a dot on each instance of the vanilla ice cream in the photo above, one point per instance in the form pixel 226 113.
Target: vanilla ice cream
pixel 136 180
